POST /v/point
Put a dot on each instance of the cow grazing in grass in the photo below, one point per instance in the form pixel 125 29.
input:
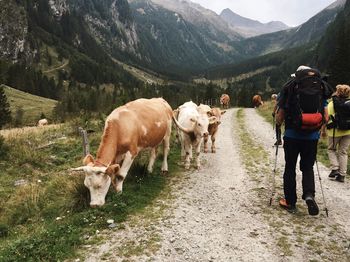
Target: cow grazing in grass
pixel 213 129
pixel 274 97
pixel 257 101
pixel 225 101
pixel 193 127
pixel 43 122
pixel 140 124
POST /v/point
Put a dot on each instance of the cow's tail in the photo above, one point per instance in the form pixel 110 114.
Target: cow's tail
pixel 183 129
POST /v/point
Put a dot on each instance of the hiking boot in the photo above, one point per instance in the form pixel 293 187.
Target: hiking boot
pixel 290 208
pixel 311 205
pixel 340 178
pixel 333 173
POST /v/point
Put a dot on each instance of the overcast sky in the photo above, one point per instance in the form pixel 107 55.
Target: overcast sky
pixel 291 12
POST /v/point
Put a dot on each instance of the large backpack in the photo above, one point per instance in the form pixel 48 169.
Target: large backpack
pixel 341 119
pixel 305 101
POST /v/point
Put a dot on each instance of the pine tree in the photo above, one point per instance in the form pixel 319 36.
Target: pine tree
pixel 5 113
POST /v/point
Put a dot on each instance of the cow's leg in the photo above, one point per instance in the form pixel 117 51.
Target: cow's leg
pixel 152 159
pixel 188 150
pixel 213 138
pixel 206 144
pixel 183 150
pixel 128 159
pixel 166 149
pixel 198 152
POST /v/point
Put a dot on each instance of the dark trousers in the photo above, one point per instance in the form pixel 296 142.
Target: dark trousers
pixel 307 150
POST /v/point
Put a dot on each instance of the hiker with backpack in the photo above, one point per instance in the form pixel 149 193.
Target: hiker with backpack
pixel 338 130
pixel 302 106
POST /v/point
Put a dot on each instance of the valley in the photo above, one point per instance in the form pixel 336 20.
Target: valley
pixel 75 61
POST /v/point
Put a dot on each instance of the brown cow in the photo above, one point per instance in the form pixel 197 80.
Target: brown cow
pixel 225 100
pixel 213 129
pixel 257 101
pixel 143 123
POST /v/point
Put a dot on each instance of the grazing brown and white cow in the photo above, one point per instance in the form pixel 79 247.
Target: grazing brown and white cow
pixel 274 97
pixel 43 122
pixel 257 101
pixel 143 123
pixel 213 129
pixel 225 100
pixel 193 127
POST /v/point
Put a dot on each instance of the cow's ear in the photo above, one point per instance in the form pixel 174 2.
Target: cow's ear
pixel 89 159
pixel 210 113
pixel 192 119
pixel 212 120
pixel 223 112
pixel 112 170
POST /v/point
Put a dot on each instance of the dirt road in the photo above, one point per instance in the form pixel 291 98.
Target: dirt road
pixel 221 212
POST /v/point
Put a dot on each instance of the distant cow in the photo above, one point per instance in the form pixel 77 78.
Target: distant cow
pixel 257 101
pixel 225 100
pixel 143 123
pixel 193 126
pixel 213 129
pixel 274 97
pixel 43 122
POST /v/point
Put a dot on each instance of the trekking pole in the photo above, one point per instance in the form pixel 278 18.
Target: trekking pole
pixel 319 177
pixel 273 177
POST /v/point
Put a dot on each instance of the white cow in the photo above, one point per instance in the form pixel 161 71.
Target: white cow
pixel 43 122
pixel 193 126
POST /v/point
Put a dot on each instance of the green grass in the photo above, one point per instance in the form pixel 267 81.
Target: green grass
pixel 29 228
pixel 33 106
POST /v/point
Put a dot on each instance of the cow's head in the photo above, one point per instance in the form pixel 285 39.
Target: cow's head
pixel 201 123
pixel 98 179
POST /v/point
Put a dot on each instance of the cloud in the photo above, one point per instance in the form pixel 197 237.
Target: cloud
pixel 290 12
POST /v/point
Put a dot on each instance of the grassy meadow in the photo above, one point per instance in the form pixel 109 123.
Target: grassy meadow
pixel 44 211
pixel 33 106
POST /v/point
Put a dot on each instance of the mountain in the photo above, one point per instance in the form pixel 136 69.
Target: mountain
pixel 177 41
pixel 248 27
pixel 200 17
pixel 310 31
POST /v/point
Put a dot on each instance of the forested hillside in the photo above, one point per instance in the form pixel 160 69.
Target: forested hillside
pixel 310 31
pixel 331 55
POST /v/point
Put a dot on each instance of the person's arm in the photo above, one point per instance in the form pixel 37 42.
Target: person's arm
pixel 280 116
pixel 323 128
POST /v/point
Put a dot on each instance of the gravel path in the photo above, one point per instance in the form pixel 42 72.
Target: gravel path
pixel 215 215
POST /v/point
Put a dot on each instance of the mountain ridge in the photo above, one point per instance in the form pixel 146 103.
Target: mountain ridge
pixel 249 27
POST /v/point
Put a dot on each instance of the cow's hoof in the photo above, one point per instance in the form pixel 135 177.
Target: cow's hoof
pixel 165 172
pixel 198 167
pixel 205 150
pixel 213 151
